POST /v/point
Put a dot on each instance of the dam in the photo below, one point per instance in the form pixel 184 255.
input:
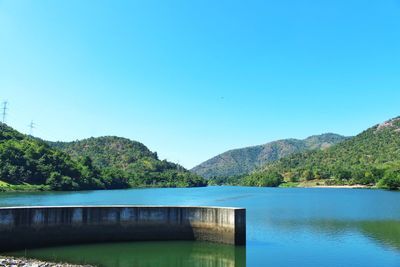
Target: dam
pixel 30 227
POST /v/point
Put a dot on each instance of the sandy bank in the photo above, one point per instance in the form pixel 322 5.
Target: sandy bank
pixel 356 186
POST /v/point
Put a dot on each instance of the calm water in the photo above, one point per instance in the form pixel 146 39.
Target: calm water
pixel 285 227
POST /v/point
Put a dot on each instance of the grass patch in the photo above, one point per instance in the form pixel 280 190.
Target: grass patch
pixel 312 183
pixel 7 187
pixel 289 184
pixel 2 183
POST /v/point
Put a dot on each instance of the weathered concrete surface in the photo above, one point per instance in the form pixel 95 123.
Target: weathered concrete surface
pixel 26 227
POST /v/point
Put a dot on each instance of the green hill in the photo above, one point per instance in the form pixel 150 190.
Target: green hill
pixel 107 151
pixel 131 159
pixel 245 160
pixel 27 163
pixel 370 158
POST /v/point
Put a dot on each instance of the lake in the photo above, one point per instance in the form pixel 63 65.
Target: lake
pixel 285 227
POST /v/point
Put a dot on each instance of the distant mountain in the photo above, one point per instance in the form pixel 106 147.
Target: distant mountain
pixel 372 157
pixel 245 160
pixel 131 158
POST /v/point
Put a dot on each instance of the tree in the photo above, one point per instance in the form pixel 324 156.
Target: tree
pixel 264 179
pixel 391 180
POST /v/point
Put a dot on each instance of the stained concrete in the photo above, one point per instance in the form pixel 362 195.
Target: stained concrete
pixel 27 227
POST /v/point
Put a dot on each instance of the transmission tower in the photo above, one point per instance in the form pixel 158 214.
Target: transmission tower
pixel 31 127
pixel 178 166
pixel 4 113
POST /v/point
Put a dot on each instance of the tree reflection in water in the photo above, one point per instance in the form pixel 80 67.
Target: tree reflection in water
pixel 144 254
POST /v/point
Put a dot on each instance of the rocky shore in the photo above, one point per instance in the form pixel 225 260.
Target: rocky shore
pixel 23 262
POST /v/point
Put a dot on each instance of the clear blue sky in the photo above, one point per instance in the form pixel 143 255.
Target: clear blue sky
pixel 191 79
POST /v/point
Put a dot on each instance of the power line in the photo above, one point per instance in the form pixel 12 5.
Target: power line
pixel 4 114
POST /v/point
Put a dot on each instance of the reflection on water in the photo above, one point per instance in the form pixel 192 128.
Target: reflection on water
pixel 386 233
pixel 285 227
pixel 164 254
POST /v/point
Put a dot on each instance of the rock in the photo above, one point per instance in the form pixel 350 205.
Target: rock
pixel 23 262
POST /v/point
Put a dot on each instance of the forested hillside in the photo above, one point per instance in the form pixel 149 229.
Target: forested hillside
pixel 245 160
pixel 107 151
pixel 27 163
pixel 118 156
pixel 370 158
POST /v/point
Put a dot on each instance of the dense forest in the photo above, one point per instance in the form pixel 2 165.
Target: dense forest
pixel 118 156
pixel 245 160
pixel 27 163
pixel 370 158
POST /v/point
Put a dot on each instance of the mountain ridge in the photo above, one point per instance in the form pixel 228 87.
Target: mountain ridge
pixel 369 158
pixel 245 160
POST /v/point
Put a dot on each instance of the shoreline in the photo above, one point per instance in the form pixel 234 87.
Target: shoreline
pixel 29 188
pixel 358 186
pixel 9 261
pixel 322 184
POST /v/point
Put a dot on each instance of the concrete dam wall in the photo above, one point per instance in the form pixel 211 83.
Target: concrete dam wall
pixel 27 227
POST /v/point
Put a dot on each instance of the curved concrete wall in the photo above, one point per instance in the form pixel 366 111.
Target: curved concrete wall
pixel 26 227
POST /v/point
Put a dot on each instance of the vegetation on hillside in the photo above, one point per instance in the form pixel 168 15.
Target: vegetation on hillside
pixel 246 160
pixel 27 163
pixel 370 158
pixel 121 157
pixel 261 179
pixel 106 151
